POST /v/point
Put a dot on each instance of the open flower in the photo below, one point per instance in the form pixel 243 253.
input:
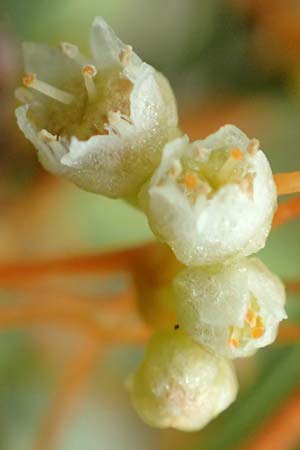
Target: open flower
pixel 233 309
pixel 180 384
pixel 211 199
pixel 100 121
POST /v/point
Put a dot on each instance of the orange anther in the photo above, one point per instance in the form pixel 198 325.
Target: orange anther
pixel 233 342
pixel 257 332
pixel 28 80
pixel 190 180
pixel 236 153
pixel 89 70
pixel 250 317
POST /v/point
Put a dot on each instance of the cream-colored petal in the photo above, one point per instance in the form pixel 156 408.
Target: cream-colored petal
pixel 49 64
pixel 226 136
pixel 106 46
pixel 46 155
pixel 105 165
pixel 147 106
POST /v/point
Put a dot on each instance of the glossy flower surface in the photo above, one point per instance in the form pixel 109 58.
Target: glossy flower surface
pixel 100 121
pixel 233 309
pixel 212 199
pixel 180 384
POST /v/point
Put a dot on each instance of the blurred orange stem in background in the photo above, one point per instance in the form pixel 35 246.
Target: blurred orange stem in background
pixel 77 319
pixel 120 260
pixel 288 334
pixel 282 430
pixel 287 183
pixel 74 380
pixel 293 287
pixel 287 211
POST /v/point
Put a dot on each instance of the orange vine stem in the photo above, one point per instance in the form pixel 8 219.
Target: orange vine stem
pixel 73 382
pixel 288 334
pixel 78 320
pixel 120 260
pixel 282 430
pixel 287 183
pixel 287 211
pixel 293 287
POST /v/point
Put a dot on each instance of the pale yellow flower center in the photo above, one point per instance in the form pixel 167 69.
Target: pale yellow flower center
pixel 254 327
pixel 84 105
pixel 199 176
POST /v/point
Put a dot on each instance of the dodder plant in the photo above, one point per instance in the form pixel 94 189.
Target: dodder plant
pixel 108 122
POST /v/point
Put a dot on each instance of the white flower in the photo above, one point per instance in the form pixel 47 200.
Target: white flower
pixel 105 122
pixel 233 309
pixel 211 199
pixel 180 384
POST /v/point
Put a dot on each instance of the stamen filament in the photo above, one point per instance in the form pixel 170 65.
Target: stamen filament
pixel 31 81
pixel 247 184
pixel 176 169
pixel 287 211
pixel 253 147
pixel 125 55
pixel 250 317
pixel 233 340
pixel 53 141
pixel 89 72
pixel 235 156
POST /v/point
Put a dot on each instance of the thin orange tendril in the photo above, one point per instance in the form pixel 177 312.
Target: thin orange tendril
pixel 281 430
pixel 287 211
pixel 73 382
pixel 287 183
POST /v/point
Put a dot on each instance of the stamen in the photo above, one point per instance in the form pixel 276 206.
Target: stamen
pixel 233 337
pixel 31 81
pixel 250 318
pixel 203 188
pixel 114 117
pixel 235 156
pixel 176 169
pixel 47 137
pixel 89 72
pixel 253 147
pixel 233 342
pixel 247 184
pixel 259 329
pixel 72 51
pixel 125 55
pixel 202 153
pixel 190 180
pixel 257 332
pixel 54 143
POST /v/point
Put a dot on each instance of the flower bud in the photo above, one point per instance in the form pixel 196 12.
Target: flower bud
pixel 100 121
pixel 213 199
pixel 180 384
pixel 233 309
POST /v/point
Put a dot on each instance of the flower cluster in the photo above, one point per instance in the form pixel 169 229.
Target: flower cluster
pixel 109 123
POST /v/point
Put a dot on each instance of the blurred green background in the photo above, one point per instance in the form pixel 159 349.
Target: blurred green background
pixel 229 61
